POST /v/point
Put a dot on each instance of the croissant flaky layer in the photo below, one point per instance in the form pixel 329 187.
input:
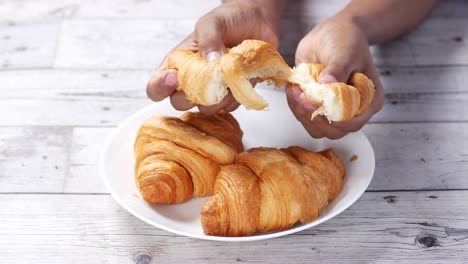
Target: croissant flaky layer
pixel 272 189
pixel 206 82
pixel 178 158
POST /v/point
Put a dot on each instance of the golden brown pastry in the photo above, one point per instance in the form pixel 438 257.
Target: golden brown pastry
pixel 271 189
pixel 222 125
pixel 178 159
pixel 205 82
pixel 337 101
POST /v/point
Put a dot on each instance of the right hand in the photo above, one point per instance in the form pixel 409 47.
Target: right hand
pixel 227 25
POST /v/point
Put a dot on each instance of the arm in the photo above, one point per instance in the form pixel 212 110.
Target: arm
pixel 384 20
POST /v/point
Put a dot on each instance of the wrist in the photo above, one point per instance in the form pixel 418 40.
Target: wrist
pixel 349 19
pixel 270 9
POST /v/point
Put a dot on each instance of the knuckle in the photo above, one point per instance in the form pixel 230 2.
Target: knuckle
pixel 336 135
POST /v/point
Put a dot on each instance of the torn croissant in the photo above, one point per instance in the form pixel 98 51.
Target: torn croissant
pixel 206 82
pixel 177 159
pixel 336 101
pixel 272 189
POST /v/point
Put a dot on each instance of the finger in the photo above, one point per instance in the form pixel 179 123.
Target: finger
pixel 209 36
pixel 232 106
pixel 321 125
pixel 292 95
pixel 213 109
pixel 357 122
pixel 305 52
pixel 180 102
pixel 335 72
pixel 162 84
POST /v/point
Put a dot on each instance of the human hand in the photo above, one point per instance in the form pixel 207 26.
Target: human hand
pixel 227 25
pixel 341 45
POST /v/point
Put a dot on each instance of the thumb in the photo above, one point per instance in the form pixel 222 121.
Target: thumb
pixel 335 72
pixel 209 36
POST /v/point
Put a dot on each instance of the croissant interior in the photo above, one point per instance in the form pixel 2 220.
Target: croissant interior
pixel 206 82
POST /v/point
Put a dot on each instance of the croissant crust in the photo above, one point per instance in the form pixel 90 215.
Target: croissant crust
pixel 272 189
pixel 177 159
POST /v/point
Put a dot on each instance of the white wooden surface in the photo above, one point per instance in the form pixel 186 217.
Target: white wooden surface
pixel 71 70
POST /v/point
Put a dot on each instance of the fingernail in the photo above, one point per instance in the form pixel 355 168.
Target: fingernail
pixel 171 80
pixel 213 55
pixel 327 78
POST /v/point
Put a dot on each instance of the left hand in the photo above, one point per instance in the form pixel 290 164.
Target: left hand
pixel 342 46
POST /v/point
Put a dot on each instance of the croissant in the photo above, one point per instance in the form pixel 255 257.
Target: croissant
pixel 337 101
pixel 206 82
pixel 271 189
pixel 177 159
pixel 201 80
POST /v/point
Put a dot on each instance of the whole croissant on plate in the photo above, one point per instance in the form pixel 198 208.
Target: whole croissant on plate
pixel 178 158
pixel 271 189
pixel 206 82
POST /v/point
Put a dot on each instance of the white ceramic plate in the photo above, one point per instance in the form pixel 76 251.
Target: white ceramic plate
pixel 275 127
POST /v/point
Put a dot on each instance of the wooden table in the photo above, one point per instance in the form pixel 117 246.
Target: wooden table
pixel 71 70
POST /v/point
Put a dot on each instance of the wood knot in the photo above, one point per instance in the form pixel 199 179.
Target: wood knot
pixel 457 39
pixel 142 258
pixel 386 73
pixel 390 199
pixel 427 240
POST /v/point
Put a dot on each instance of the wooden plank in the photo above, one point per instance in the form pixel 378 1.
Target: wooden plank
pixel 419 156
pixel 105 44
pixel 421 227
pixel 324 9
pixel 30 9
pixel 106 97
pixel 128 9
pixel 48 112
pixel 144 43
pixel 28 44
pixel 33 159
pixel 438 42
pixel 83 175
pixel 74 85
pixel 110 112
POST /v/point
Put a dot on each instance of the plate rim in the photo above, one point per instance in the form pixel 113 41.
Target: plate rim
pixel 279 233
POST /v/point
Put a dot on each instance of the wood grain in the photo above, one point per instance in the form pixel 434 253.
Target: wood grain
pixel 104 44
pixel 414 226
pixel 109 9
pixel 71 70
pixel 34 159
pixel 419 156
pixel 28 44
pixel 143 43
pixel 106 97
pixel 83 175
